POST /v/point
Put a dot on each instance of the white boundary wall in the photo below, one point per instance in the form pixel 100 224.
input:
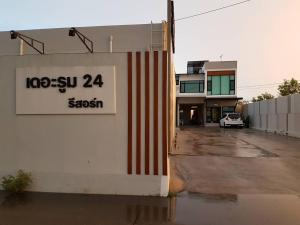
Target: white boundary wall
pixel 280 115
pixel 72 153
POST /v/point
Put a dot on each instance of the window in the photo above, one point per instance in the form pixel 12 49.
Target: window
pixel 221 85
pixel 194 70
pixel 232 85
pixel 213 114
pixel 192 86
pixel 225 83
pixel 190 70
pixel 216 85
pixel 177 79
pixel 209 85
pixel 228 109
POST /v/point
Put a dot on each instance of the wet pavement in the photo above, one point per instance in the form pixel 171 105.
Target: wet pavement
pixel 222 176
pixel 218 142
pixel 235 161
pixel 185 209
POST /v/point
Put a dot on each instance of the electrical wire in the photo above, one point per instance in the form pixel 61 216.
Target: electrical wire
pixel 259 85
pixel 213 10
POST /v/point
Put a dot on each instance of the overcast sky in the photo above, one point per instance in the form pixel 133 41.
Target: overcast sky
pixel 262 35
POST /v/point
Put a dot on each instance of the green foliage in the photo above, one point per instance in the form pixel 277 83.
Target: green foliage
pixel 263 96
pixel 289 87
pixel 18 183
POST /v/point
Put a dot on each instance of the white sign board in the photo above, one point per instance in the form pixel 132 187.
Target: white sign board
pixel 66 90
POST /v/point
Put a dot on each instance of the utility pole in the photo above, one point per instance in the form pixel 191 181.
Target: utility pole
pixel 170 72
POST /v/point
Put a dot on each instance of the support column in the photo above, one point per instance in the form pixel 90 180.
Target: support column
pixel 178 114
pixel 204 114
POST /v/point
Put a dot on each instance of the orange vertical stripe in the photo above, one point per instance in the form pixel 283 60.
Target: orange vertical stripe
pixel 147 113
pixel 155 111
pixel 164 114
pixel 129 119
pixel 221 73
pixel 138 113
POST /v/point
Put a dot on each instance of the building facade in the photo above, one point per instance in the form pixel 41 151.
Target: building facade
pixel 206 92
pixel 83 121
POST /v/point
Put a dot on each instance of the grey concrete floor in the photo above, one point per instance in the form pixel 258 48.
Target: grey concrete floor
pixel 235 161
pixel 225 177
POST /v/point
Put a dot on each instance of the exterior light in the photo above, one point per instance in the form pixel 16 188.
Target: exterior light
pixel 72 32
pixel 35 44
pixel 84 39
pixel 13 34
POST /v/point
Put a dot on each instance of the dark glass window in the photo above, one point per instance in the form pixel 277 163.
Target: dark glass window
pixel 177 79
pixel 221 85
pixel 192 86
pixel 232 85
pixel 228 109
pixel 209 85
pixel 194 70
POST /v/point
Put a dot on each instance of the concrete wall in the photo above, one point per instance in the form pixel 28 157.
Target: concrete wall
pixel 294 116
pixel 125 38
pixel 189 77
pixel 72 153
pixel 280 115
pixel 220 65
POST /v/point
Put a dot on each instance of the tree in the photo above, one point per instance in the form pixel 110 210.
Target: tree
pixel 289 87
pixel 263 96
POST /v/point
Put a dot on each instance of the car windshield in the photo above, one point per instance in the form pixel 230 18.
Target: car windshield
pixel 234 116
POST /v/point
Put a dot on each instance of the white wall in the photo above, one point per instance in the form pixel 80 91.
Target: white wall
pixel 189 77
pixel 294 116
pixel 272 115
pixel 281 115
pixel 70 153
pixel 221 65
pixel 125 38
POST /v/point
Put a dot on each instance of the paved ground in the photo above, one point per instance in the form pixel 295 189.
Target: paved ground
pixel 226 177
pixel 187 209
pixel 235 161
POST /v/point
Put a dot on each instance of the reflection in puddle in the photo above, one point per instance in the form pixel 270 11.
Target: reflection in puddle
pixel 75 209
pixel 147 213
pixel 11 200
pixel 222 197
pixel 187 208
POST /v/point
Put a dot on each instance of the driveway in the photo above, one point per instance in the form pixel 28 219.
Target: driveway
pixel 234 161
pixel 227 177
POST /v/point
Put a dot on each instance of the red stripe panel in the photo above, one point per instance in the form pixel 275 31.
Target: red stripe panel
pixel 221 73
pixel 129 119
pixel 147 113
pixel 155 111
pixel 138 113
pixel 164 114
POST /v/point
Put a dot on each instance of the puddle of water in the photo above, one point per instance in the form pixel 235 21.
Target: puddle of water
pixel 77 209
pixel 187 208
pixel 209 197
pixel 244 209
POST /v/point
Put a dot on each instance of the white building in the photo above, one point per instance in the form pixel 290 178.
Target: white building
pixel 91 115
pixel 206 92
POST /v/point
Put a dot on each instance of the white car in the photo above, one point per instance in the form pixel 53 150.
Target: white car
pixel 231 119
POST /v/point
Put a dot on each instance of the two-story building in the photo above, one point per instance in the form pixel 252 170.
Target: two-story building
pixel 206 92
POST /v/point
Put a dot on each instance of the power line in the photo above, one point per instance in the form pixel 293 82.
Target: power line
pixel 259 85
pixel 213 10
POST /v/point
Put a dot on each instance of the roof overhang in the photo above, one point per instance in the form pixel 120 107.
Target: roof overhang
pixel 224 98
